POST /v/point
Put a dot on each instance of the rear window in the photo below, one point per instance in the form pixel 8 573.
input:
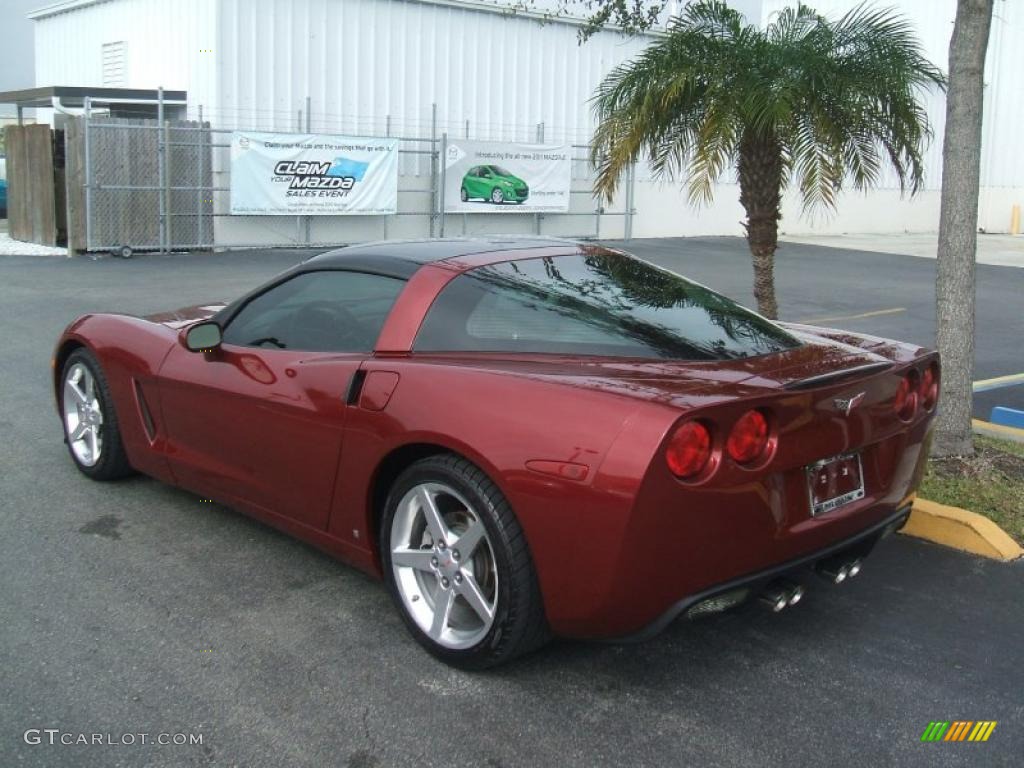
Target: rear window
pixel 603 304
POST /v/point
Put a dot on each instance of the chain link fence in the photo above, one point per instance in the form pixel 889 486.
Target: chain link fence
pixel 163 185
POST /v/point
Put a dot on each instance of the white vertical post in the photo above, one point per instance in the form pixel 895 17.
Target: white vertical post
pixel 308 219
pixel 443 154
pixel 536 216
pixel 88 174
pixel 465 217
pixel 433 167
pixel 298 216
pixel 630 193
pixel 161 161
pixel 199 177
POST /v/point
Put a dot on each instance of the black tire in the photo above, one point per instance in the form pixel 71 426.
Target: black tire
pixel 519 622
pixel 113 462
pixel 497 196
pixel 464 195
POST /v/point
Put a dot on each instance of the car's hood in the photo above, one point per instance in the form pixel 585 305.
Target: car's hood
pixel 179 318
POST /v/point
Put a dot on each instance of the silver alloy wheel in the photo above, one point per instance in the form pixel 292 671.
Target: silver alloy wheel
pixel 83 415
pixel 444 565
pixel 497 196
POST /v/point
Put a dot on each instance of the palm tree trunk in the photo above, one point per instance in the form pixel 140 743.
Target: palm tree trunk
pixel 760 174
pixel 958 226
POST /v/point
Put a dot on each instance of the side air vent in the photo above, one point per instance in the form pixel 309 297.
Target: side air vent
pixel 144 412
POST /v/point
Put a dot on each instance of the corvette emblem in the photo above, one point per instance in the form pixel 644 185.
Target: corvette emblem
pixel 848 404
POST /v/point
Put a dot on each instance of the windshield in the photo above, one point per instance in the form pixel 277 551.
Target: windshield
pixel 605 304
pixel 497 170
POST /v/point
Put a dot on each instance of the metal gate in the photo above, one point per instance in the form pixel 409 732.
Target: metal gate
pixel 164 185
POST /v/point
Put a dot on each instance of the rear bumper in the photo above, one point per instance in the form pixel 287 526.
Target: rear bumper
pixel 858 545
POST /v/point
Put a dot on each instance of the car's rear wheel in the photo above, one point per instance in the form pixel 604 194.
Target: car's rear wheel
pixel 464 195
pixel 497 196
pixel 91 429
pixel 458 567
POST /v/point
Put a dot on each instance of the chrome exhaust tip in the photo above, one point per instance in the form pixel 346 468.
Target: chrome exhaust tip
pixel 774 598
pixel 836 571
pixel 796 595
pixel 781 594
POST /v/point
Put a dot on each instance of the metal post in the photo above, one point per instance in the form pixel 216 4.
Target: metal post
pixel 597 210
pixel 465 217
pixel 308 219
pixel 444 154
pixel 161 148
pixel 536 216
pixel 630 192
pixel 21 120
pixel 199 178
pixel 387 127
pixel 88 176
pixel 433 167
pixel 298 216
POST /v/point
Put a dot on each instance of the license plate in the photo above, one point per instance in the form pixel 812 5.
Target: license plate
pixel 834 482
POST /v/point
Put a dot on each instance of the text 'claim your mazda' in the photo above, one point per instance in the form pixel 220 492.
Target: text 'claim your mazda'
pixel 522 437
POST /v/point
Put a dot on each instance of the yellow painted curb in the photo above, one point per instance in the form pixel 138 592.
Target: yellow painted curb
pixel 960 529
pixel 1000 431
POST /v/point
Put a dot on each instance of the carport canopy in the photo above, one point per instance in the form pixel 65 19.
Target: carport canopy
pixel 73 97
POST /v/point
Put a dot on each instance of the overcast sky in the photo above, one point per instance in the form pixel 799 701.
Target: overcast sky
pixel 17 62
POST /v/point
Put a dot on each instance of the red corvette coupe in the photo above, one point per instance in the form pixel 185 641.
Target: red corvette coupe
pixel 522 436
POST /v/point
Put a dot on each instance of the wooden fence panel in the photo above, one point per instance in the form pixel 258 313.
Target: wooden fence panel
pixel 31 201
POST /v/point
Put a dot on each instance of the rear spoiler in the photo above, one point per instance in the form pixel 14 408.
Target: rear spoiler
pixel 833 376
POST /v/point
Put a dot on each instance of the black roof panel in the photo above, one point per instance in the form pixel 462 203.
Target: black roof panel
pixel 406 256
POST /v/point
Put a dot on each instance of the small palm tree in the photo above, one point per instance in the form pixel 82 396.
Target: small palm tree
pixel 806 101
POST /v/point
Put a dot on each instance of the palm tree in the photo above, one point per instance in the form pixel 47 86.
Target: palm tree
pixel 806 101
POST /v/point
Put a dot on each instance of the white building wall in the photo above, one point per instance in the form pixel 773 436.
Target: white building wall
pixel 362 60
pixel 369 64
pixel 165 43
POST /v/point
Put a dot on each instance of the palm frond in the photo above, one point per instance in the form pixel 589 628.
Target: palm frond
pixel 837 100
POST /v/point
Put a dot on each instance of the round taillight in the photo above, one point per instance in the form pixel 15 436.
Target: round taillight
pixel 749 437
pixel 689 450
pixel 907 396
pixel 929 389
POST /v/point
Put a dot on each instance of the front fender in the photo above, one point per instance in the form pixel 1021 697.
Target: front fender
pixel 130 351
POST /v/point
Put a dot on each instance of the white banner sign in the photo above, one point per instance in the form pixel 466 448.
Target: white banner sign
pixel 493 177
pixel 312 174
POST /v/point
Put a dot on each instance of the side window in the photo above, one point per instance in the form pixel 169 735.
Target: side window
pixel 326 311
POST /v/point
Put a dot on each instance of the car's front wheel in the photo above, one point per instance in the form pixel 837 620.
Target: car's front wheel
pixel 497 196
pixel 458 567
pixel 91 429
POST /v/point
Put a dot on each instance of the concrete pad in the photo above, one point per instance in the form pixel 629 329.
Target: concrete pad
pixel 998 250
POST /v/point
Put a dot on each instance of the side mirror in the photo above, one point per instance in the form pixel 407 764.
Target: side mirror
pixel 203 337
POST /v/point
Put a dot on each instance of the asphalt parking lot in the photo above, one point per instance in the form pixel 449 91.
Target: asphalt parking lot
pixel 132 607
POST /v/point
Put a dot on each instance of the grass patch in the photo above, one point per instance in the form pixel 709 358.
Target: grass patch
pixel 990 483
